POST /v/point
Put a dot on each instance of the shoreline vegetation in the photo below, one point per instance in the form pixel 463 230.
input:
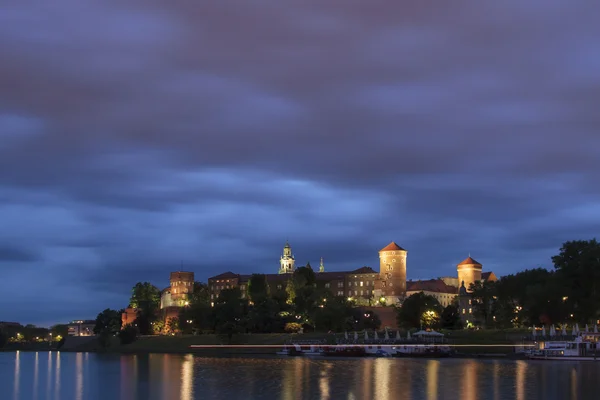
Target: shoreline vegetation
pixel 484 343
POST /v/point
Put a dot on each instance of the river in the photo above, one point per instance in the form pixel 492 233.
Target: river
pixel 89 376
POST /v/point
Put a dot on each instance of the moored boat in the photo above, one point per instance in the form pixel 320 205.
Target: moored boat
pixel 344 351
pixel 583 348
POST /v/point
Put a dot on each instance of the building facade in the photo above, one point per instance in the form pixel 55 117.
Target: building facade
pixel 387 286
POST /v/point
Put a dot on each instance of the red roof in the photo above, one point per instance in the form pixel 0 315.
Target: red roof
pixel 469 261
pixel 486 276
pixel 392 246
pixel 363 270
pixel 225 275
pixel 432 285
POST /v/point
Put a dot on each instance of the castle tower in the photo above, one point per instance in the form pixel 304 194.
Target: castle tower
pixel 469 271
pixel 182 287
pixel 321 266
pixel 392 272
pixel 287 260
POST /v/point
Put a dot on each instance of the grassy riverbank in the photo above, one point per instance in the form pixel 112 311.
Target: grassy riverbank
pixel 483 342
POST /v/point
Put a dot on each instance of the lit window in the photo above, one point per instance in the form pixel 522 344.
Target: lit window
pixel 464 311
pixel 361 283
pixel 327 285
pixel 469 301
pixel 470 311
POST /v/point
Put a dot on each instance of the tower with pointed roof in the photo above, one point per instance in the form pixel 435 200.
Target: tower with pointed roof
pixel 392 273
pixel 286 263
pixel 321 266
pixel 469 271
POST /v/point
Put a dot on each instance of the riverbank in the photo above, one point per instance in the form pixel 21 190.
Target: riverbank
pixel 468 343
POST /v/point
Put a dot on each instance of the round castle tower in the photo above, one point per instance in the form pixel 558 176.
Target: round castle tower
pixel 469 271
pixel 392 272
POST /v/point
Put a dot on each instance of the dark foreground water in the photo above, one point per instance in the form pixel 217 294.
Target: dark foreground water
pixel 75 376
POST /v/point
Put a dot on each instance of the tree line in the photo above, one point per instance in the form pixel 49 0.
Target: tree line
pixel 567 294
pixel 304 306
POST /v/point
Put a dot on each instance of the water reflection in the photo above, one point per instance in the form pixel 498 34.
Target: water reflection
pixel 156 377
pixel 432 379
pixel 79 376
pixel 187 378
pixel 469 382
pixel 57 377
pixel 382 379
pixel 17 374
pixel 520 384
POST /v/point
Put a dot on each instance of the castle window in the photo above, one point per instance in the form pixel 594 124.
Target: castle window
pixel 470 311
pixel 279 287
pixel 361 283
pixel 464 311
pixel 327 285
pixel 469 301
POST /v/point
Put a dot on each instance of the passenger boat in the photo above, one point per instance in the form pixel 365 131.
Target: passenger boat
pixel 344 351
pixel 297 350
pixel 293 350
pixel 583 348
pixel 422 351
pixel 374 350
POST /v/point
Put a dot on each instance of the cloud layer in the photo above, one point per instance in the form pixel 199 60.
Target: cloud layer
pixel 140 136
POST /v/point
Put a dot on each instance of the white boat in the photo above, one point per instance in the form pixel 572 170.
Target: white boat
pixel 296 350
pixel 583 348
pixel 375 350
pixel 292 350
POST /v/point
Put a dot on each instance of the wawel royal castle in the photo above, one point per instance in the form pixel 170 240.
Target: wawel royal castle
pixel 386 286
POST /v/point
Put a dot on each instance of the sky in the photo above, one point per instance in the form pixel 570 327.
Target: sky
pixel 143 137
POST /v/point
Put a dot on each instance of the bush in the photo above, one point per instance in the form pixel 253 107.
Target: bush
pixel 128 334
pixel 292 327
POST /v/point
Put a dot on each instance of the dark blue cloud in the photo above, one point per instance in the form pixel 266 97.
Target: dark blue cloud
pixel 135 136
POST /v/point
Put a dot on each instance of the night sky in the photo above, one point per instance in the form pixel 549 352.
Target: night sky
pixel 139 136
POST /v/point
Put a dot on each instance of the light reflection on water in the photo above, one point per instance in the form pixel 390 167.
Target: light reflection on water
pixel 79 376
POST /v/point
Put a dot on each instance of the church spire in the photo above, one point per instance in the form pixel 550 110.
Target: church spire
pixel 321 266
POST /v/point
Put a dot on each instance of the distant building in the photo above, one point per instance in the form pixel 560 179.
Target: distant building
pixel 437 288
pixel 81 328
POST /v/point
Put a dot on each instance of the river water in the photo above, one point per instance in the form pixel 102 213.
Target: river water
pixel 88 376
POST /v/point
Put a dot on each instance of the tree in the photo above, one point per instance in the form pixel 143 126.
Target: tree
pixel 109 321
pixel 128 334
pixel 304 276
pixel 483 294
pixel 258 288
pixel 450 318
pixel 419 310
pixel 229 312
pixel 60 330
pixel 290 291
pixel 145 294
pixel 578 268
pixel 200 295
pixel 172 325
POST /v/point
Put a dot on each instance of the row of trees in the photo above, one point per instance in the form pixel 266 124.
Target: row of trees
pixel 568 294
pixel 30 333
